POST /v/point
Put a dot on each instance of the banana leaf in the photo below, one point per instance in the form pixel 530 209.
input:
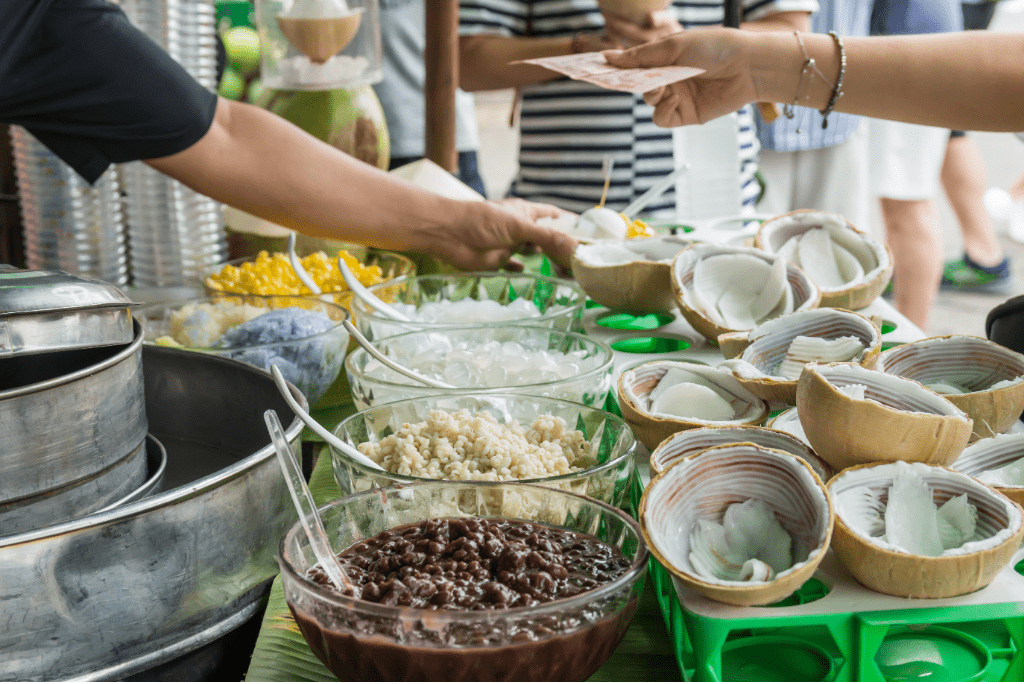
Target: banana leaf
pixel 281 653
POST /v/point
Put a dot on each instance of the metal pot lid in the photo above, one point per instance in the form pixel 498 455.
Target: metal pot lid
pixel 45 311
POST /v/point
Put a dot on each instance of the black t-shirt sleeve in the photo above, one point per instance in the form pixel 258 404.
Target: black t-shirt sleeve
pixel 95 89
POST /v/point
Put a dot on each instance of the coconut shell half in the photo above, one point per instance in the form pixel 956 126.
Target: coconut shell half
pixel 803 294
pixel 973 362
pixel 639 286
pixel 704 485
pixel 898 573
pixel 874 257
pixel 899 420
pixel 636 384
pixel 757 366
pixel 989 454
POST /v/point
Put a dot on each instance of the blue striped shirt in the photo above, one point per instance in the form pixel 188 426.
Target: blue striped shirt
pixel 568 127
pixel 847 18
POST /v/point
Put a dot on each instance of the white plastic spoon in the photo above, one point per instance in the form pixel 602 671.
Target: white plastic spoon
pixel 299 269
pixel 316 427
pixel 304 504
pixel 368 297
pixel 375 353
pixel 656 191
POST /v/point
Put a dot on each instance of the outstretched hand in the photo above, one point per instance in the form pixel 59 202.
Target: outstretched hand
pixel 725 86
pixel 490 234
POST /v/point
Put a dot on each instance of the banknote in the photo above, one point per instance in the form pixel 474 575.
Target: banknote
pixel 593 68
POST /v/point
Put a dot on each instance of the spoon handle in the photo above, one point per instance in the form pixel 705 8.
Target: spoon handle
pixel 368 297
pixel 299 269
pixel 654 192
pixel 375 353
pixel 303 500
pixel 316 427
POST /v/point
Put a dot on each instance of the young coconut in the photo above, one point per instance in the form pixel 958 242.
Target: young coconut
pixel 853 415
pixel 634 276
pixel 922 531
pixel 789 422
pixel 660 398
pixel 777 350
pixel 723 288
pixel 691 442
pixel 738 523
pixel 850 267
pixel 983 379
pixel 998 462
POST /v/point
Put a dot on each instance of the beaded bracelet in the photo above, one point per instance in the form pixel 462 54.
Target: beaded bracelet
pixel 837 92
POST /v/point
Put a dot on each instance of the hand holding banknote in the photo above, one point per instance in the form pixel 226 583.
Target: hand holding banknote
pixel 592 67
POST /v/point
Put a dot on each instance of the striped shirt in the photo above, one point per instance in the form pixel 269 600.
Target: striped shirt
pixel 568 127
pixel 804 131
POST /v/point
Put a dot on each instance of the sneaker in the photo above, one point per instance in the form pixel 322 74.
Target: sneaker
pixel 965 274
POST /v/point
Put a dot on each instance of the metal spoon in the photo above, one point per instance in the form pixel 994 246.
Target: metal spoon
pixel 390 363
pixel 303 500
pixel 316 427
pixel 368 297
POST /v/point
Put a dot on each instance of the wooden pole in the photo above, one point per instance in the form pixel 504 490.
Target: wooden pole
pixel 441 58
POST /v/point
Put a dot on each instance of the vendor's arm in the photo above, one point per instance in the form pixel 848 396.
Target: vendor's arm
pixel 971 81
pixel 262 164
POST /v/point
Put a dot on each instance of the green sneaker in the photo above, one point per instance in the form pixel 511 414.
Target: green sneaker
pixel 966 275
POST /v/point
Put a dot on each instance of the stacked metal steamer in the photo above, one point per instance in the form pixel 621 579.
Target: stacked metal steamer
pixel 119 557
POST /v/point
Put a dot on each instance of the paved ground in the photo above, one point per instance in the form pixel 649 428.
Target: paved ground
pixel 953 312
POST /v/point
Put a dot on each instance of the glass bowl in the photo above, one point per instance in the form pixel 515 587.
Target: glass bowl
pixel 427 352
pixel 561 640
pixel 311 362
pixel 392 265
pixel 613 444
pixel 560 302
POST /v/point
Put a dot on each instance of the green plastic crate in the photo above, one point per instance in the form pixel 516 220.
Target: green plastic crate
pixel 833 629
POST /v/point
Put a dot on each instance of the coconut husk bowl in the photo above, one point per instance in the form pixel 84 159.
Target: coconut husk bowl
pixel 704 485
pixel 898 420
pixel 636 384
pixel 870 257
pixel 799 292
pixel 860 495
pixel 991 453
pixel 639 284
pixel 691 442
pixel 757 366
pixel 992 374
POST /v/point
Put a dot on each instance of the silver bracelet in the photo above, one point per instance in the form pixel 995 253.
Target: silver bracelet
pixel 837 92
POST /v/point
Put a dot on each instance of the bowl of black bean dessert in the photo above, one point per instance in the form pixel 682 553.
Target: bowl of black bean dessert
pixel 460 581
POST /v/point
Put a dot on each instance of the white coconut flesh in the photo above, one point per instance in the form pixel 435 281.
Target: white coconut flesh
pixel 688 442
pixel 830 265
pixel 750 545
pixel 1009 475
pixel 789 421
pixel 681 393
pixel 909 521
pixel 890 391
pixel 803 350
pixel 607 254
pixel 938 364
pixel 601 223
pixel 857 257
pixel 738 291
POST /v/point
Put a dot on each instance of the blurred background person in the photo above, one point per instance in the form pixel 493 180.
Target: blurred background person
pixel 403 38
pixel 983 267
pixel 567 128
pixel 906 163
pixel 805 166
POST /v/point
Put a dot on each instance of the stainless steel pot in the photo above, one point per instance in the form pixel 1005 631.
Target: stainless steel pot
pixel 67 416
pixel 156 465
pixel 122 591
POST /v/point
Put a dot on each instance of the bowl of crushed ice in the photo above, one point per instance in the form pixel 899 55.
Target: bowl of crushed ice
pixel 515 359
pixel 303 336
pixel 478 298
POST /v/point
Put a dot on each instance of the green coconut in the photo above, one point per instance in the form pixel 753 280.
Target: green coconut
pixel 350 119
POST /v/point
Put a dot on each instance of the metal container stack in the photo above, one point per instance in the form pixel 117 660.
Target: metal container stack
pixel 174 233
pixel 69 225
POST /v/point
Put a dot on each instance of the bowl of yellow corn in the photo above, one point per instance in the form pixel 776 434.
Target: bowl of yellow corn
pixel 269 274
